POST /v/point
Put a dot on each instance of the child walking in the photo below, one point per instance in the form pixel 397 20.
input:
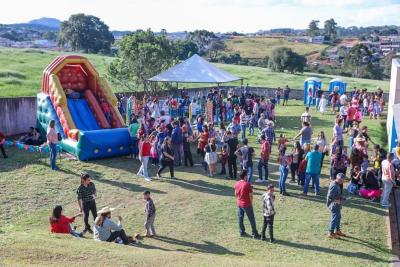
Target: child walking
pixel 150 210
pixel 268 199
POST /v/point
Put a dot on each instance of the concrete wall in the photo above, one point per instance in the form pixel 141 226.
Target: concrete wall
pixel 17 114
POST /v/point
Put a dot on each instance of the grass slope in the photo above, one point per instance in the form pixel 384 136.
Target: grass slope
pixel 260 47
pixel 196 216
pixel 21 73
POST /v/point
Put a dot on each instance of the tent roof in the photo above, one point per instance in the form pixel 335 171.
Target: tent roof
pixel 337 80
pixel 313 79
pixel 194 70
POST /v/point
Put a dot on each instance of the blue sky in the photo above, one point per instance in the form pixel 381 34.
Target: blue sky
pixel 215 15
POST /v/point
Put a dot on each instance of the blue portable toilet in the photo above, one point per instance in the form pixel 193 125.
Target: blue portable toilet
pixel 340 84
pixel 314 83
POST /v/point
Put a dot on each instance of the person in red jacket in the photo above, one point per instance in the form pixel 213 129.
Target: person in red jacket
pixel 2 141
pixel 302 171
pixel 61 224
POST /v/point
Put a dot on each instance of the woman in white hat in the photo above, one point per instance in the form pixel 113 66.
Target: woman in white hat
pixel 107 230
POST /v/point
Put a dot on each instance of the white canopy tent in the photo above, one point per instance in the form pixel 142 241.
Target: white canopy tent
pixel 195 70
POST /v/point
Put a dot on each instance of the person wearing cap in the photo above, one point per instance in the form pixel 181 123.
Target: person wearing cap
pixel 86 194
pixel 334 200
pixel 268 199
pixel 107 230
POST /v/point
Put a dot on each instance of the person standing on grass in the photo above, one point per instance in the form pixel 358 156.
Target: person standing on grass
pixel 284 161
pixel 306 116
pixel 232 143
pixel 2 141
pixel 52 140
pixel 313 170
pixel 286 93
pixel 318 97
pixel 278 92
pixel 269 133
pixel 86 194
pixel 264 158
pixel 244 199
pixel 244 121
pixel 338 132
pixel 176 141
pixel 334 200
pixel 150 210
pixel 167 158
pixel 144 156
pixel 268 199
pixel 305 133
pixel 133 130
pixel 388 179
pixel 246 154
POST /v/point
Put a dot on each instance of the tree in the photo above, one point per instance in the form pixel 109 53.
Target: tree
pixel 202 38
pixel 215 47
pixel 313 29
pixel 284 58
pixel 185 49
pixel 387 64
pixel 358 56
pixel 330 30
pixel 141 55
pixel 86 33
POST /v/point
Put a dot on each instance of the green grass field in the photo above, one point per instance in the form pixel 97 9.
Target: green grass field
pixel 196 215
pixel 21 74
pixel 260 47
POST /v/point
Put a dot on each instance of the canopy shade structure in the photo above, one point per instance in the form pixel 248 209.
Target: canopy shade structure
pixel 194 70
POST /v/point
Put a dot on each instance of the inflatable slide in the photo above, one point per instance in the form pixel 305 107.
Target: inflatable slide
pixel 84 108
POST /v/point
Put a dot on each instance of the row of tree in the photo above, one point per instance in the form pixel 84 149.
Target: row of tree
pixel 329 31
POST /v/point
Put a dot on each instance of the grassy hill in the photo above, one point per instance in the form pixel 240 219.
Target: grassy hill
pixel 21 73
pixel 260 47
pixel 196 215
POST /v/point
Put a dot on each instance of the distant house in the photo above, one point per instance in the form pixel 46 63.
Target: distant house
pixel 43 43
pixel 317 39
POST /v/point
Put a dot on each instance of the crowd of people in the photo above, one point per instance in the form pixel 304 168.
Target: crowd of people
pixel 164 131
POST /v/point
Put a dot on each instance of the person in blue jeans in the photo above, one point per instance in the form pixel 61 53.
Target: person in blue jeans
pixel 334 201
pixel 313 170
pixel 244 199
pixel 244 120
pixel 284 162
pixel 52 140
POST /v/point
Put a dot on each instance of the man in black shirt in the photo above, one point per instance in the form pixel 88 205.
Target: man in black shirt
pixel 86 195
pixel 232 143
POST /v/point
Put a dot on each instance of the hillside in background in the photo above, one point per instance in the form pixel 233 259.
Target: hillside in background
pixel 48 22
pixel 260 47
pixel 21 73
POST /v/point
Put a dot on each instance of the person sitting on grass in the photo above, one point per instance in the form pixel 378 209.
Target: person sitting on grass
pixel 107 230
pixel 2 142
pixel 268 213
pixel 61 224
